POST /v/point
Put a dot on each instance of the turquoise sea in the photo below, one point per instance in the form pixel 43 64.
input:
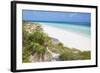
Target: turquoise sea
pixel 80 29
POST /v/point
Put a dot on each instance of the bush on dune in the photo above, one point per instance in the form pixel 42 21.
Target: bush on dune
pixel 85 55
pixel 34 42
pixel 73 55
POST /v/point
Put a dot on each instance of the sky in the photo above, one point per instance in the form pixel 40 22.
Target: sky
pixel 55 16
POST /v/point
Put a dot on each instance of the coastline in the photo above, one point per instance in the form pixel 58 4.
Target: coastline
pixel 68 38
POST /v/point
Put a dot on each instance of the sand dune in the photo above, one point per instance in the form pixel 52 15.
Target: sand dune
pixel 68 38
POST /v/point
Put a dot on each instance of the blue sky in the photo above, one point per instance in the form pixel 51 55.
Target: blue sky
pixel 52 16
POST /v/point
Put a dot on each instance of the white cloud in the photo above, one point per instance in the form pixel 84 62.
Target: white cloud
pixel 73 14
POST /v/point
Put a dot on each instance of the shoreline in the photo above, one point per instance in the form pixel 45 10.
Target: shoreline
pixel 68 38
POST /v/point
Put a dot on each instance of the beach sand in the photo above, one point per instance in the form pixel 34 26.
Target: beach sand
pixel 68 38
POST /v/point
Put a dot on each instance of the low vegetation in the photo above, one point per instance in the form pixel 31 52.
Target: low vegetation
pixel 35 43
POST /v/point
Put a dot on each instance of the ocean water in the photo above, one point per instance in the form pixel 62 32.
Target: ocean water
pixel 80 29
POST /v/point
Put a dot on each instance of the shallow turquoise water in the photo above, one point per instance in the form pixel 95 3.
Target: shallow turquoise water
pixel 80 29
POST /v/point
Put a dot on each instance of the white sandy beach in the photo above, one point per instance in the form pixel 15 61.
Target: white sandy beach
pixel 68 38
